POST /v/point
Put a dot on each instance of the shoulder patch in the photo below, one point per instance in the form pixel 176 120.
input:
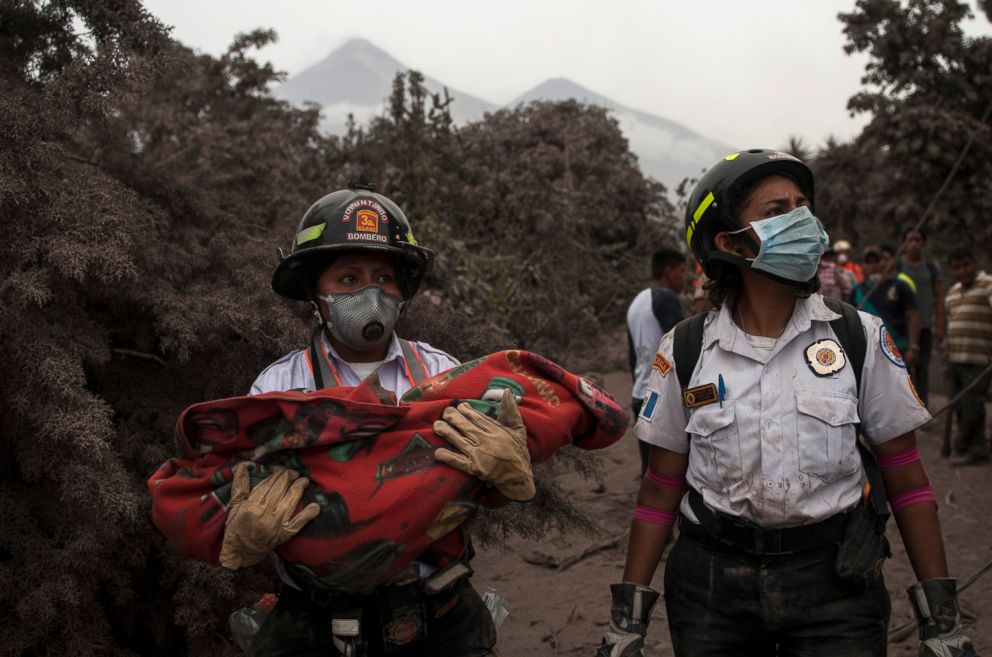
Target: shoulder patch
pixel 661 364
pixel 700 396
pixel 889 348
pixel 825 357
pixel 649 407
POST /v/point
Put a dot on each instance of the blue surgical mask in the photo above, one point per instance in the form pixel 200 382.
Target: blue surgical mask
pixel 791 244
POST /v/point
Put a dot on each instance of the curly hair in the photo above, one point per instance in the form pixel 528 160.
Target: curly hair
pixel 726 282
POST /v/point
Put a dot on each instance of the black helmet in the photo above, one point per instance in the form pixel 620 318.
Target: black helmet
pixel 708 211
pixel 353 219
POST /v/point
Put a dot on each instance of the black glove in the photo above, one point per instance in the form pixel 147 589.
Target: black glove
pixel 630 614
pixel 935 603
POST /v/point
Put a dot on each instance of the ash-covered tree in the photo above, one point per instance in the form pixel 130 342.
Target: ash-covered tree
pixel 138 186
pixel 928 90
pixel 539 215
pixel 542 223
pixel 143 190
pixel 558 217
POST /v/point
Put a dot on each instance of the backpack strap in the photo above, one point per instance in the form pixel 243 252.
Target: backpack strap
pixel 414 366
pixel 688 340
pixel 323 377
pixel 687 345
pixel 851 335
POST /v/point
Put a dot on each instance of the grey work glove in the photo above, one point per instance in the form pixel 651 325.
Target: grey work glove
pixel 494 451
pixel 260 520
pixel 630 614
pixel 935 603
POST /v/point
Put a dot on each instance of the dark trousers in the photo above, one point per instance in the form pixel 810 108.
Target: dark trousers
pixel 642 447
pixel 724 602
pixel 458 624
pixel 921 370
pixel 970 410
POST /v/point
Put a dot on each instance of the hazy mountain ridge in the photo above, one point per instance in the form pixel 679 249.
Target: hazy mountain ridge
pixel 357 79
pixel 667 150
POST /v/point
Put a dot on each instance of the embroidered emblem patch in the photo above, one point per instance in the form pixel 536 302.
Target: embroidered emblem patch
pixel 367 221
pixel 889 348
pixel 649 407
pixel 699 396
pixel 661 364
pixel 825 357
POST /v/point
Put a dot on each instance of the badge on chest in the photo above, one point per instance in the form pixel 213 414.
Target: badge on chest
pixel 825 357
pixel 700 396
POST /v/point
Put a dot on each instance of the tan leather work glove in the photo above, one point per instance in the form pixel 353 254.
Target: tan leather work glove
pixel 494 451
pixel 261 520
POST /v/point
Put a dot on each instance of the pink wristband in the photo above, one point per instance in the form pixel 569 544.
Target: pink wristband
pixel 902 458
pixel 655 516
pixel 665 481
pixel 900 501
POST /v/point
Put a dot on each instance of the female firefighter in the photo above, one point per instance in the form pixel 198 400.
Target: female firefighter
pixel 355 260
pixel 753 413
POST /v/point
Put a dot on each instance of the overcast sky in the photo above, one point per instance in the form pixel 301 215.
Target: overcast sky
pixel 745 73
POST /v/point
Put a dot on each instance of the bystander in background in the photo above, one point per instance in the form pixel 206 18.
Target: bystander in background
pixel 892 299
pixel 890 268
pixel 652 313
pixel 969 352
pixel 843 249
pixel 925 274
pixel 835 281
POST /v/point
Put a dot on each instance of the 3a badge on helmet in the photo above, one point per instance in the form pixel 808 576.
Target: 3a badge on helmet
pixel 353 219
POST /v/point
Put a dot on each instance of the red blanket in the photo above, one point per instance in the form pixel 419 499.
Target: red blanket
pixel 384 500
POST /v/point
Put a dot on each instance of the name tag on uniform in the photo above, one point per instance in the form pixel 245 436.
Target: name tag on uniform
pixel 699 396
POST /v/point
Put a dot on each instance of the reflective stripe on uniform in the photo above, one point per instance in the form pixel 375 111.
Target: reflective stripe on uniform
pixel 415 369
pixel 413 366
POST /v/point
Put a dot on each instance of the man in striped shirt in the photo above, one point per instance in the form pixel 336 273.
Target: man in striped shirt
pixel 969 342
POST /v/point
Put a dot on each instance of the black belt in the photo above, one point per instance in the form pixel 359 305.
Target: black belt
pixel 748 537
pixel 307 596
pixel 452 576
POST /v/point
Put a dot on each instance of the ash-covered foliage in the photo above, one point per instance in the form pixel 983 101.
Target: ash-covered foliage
pixel 143 192
pixel 928 96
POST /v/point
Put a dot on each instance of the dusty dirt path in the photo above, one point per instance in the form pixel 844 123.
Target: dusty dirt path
pixel 565 613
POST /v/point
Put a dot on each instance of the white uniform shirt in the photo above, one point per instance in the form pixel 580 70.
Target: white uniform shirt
pixel 780 450
pixel 645 331
pixel 292 371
